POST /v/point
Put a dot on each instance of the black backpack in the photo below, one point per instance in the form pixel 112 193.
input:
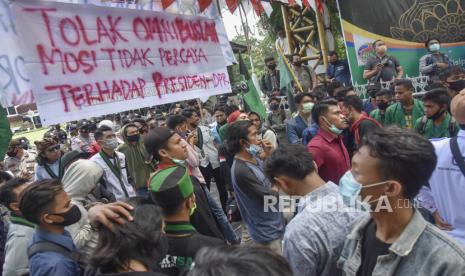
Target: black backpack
pixel 53 247
pixel 452 128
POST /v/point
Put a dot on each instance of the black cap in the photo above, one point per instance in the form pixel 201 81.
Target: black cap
pixel 83 124
pixel 156 139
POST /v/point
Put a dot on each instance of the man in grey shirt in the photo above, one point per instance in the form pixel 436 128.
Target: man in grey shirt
pixel 314 238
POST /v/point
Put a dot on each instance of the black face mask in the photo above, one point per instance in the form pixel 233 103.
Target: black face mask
pixel 334 62
pixel 274 106
pixel 70 217
pixel 457 85
pixel 383 106
pixel 436 115
pixel 134 138
pixel 271 66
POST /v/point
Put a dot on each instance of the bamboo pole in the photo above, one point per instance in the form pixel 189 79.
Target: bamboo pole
pixel 322 36
pixel 287 29
pixel 294 77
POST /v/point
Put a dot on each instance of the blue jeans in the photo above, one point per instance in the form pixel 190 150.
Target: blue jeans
pixel 221 218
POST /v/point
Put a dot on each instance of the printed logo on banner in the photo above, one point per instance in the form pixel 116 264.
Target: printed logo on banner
pixel 364 49
pixel 88 61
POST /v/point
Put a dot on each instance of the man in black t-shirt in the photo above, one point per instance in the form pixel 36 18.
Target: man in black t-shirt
pixel 173 191
pixel 382 67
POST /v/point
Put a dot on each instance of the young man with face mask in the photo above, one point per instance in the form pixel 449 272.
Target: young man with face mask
pixel 51 250
pixel 295 126
pixel 437 122
pixel 276 119
pixel 388 171
pixel 314 238
pixel 113 163
pixel 172 190
pixel 264 132
pixel 360 123
pixel 19 160
pixel 170 150
pixel 84 140
pixel 382 67
pixel 269 83
pixel 443 196
pixel 454 79
pixel 252 188
pixel 383 101
pixel 304 74
pixel 338 69
pixel 136 157
pixel 20 229
pixel 435 62
pixel 407 110
pixel 327 147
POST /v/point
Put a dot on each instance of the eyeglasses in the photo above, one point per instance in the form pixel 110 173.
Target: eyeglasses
pixel 53 148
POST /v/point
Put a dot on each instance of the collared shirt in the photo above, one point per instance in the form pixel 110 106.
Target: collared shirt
pixel 304 75
pixel 208 151
pixel 309 133
pixel 430 130
pixel 295 128
pixel 378 115
pixel 395 114
pixel 41 173
pixel 314 238
pixel 330 155
pixel 445 192
pixel 428 63
pixel 20 232
pixel 340 71
pixel 421 249
pixel 52 263
pixel 389 71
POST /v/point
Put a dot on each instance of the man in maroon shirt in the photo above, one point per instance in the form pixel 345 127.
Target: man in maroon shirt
pixel 327 147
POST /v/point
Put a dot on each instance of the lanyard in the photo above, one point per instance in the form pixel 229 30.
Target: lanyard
pixel 199 138
pixel 22 221
pixel 51 173
pixel 115 169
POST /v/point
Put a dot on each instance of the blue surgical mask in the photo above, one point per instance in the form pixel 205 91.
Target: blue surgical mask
pixel 349 189
pixel 307 107
pixel 333 128
pixel 254 150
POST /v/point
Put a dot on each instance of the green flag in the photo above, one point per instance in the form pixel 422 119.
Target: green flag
pixel 285 81
pixel 5 133
pixel 251 98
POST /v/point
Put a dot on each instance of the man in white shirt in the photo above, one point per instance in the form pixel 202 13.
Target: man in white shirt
pixel 113 163
pixel 443 196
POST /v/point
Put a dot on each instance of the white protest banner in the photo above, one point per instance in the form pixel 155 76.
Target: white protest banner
pixel 14 84
pixel 87 61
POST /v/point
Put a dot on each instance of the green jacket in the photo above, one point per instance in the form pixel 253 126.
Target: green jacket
pixel 5 134
pixel 395 114
pixel 430 131
pixel 223 131
pixel 376 114
pixel 136 157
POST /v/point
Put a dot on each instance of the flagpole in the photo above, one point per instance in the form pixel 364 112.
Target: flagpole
pixel 246 33
pixel 294 77
pixel 322 35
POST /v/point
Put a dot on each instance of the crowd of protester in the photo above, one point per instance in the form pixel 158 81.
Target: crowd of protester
pixel 342 186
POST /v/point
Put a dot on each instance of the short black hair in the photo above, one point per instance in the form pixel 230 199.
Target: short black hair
pixel 289 160
pixel 355 102
pixel 438 96
pixel 38 198
pixel 273 99
pixel 384 92
pixel 128 126
pixel 374 43
pixel 452 70
pixel 270 58
pixel 99 132
pixel 140 121
pixel 219 108
pixel 405 83
pixel 188 112
pixel 4 176
pixel 319 93
pixel 7 194
pixel 429 40
pixel 321 108
pixel 403 155
pixel 238 261
pixel 300 96
pixel 332 53
pixel 332 86
pixel 342 93
pixel 175 120
pixel 236 132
